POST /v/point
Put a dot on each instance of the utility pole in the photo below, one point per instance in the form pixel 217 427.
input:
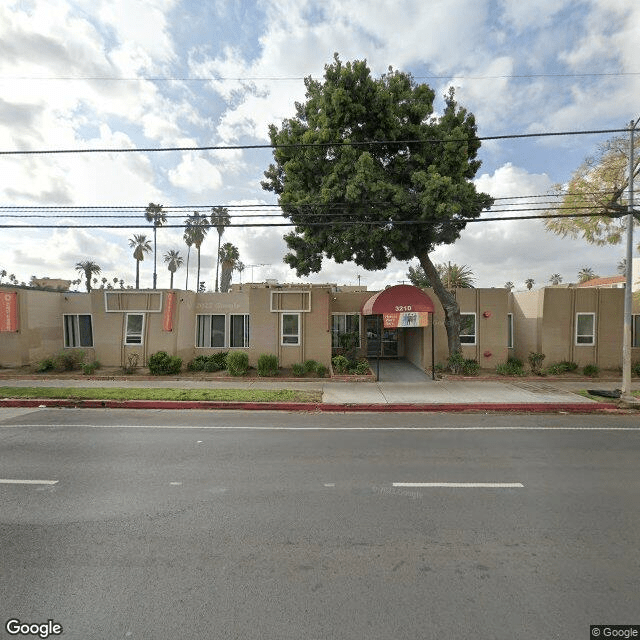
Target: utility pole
pixel 625 394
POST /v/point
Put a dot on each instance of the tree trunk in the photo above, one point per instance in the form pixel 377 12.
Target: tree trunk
pixel 448 302
pixel 171 285
pixel 186 281
pixel 155 247
pixel 137 274
pixel 218 260
pixel 198 279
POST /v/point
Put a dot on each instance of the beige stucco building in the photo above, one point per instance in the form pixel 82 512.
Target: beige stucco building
pixel 298 322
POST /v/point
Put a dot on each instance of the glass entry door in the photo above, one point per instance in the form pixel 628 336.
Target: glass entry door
pixel 389 337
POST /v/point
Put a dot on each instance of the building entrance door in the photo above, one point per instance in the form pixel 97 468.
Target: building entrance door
pixel 389 337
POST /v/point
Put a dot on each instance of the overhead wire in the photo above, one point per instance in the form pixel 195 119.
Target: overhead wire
pixel 305 145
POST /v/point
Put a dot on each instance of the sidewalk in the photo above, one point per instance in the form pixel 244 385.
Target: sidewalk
pixel 526 395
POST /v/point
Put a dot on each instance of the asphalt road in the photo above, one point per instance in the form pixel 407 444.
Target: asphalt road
pixel 171 525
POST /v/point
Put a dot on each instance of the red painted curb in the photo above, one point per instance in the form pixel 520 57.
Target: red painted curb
pixel 503 407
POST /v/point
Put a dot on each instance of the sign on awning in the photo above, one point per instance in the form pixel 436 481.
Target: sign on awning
pixel 405 319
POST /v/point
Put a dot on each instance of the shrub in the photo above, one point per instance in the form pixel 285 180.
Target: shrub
pixel 45 365
pixel 361 368
pixel 162 364
pixel 561 367
pixel 591 370
pixel 635 369
pixel 298 369
pixel 340 364
pixel 349 344
pixel 556 369
pixel 89 367
pixel 470 367
pixel 237 363
pixel 211 366
pixel 321 371
pixel 198 363
pixel 268 365
pixel 68 360
pixel 214 362
pixel 220 359
pixel 455 363
pixel 132 363
pixel 310 366
pixel 512 367
pixel 535 362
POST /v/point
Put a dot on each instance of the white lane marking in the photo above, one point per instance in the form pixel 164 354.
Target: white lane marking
pixel 175 484
pixel 329 484
pixel 490 485
pixel 15 481
pixel 255 428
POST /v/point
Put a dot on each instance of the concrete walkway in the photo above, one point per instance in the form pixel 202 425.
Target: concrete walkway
pixel 441 395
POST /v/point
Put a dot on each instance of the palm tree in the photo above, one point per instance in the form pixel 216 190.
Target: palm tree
pixel 197 226
pixel 3 274
pixel 188 239
pixel 229 256
pixel 555 279
pixel 88 268
pixel 529 282
pixel 220 219
pixel 174 261
pixel 154 213
pixel 240 268
pixel 586 273
pixel 453 276
pixel 509 285
pixel 457 276
pixel 140 246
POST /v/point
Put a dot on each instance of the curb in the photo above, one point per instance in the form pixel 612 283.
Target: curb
pixel 485 407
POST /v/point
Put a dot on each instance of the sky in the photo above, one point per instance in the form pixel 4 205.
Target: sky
pixel 96 74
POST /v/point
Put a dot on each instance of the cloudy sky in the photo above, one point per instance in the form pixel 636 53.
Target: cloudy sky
pixel 82 74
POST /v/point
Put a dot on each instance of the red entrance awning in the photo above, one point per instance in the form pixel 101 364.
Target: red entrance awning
pixel 400 306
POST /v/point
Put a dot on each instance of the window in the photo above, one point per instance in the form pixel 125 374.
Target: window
pixel 509 330
pixel 78 331
pixel 468 328
pixel 585 328
pixel 290 328
pixel 210 330
pixel 239 331
pixel 135 326
pixel 635 330
pixel 342 323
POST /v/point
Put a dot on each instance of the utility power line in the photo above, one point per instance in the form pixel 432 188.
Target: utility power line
pixel 319 145
pixel 348 222
pixel 215 78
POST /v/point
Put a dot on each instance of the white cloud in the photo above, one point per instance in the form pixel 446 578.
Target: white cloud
pixel 195 174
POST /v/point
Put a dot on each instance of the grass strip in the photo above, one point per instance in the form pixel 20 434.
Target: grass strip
pixel 216 395
pixel 586 394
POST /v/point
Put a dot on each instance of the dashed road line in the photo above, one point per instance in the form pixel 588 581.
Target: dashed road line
pixel 19 481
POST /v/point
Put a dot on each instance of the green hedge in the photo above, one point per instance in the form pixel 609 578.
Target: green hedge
pixel 162 364
pixel 237 363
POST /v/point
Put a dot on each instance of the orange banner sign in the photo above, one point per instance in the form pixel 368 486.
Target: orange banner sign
pixel 167 320
pixel 405 319
pixel 8 311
